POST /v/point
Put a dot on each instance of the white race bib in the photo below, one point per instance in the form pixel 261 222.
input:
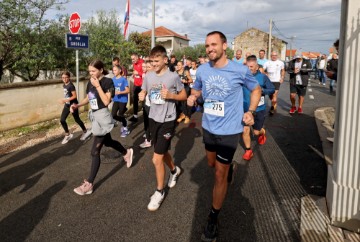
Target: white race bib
pixel 262 101
pixel 214 108
pixel 94 104
pixel 155 96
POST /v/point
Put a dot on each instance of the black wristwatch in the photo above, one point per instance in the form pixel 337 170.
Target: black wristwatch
pixel 252 112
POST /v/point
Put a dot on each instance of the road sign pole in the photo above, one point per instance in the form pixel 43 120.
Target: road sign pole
pixel 77 74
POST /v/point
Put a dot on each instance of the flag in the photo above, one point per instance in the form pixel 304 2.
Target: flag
pixel 126 18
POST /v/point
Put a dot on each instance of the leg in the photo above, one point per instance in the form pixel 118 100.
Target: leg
pixel 122 109
pixel 64 115
pixel 95 157
pixel 292 99
pixel 137 90
pixel 159 170
pixel 221 185
pixel 301 101
pixel 116 145
pixel 114 111
pixel 77 119
pixel 246 137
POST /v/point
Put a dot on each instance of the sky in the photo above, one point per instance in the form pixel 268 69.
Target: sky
pixel 307 25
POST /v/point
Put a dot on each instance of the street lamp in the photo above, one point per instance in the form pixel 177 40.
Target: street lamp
pixel 153 25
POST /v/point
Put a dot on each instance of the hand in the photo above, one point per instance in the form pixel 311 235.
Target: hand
pixel 191 100
pixel 73 107
pixel 248 119
pixel 296 70
pixel 164 93
pixel 95 81
pixel 61 101
pixel 141 96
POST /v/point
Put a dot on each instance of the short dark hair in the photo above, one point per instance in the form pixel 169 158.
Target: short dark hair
pixel 251 58
pixel 66 73
pixel 261 50
pixel 158 50
pixel 116 59
pixel 222 36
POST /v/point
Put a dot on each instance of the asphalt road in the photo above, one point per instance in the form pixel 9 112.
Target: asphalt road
pixel 263 204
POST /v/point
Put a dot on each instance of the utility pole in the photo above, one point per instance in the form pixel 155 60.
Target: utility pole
pixel 153 25
pixel 291 41
pixel 270 37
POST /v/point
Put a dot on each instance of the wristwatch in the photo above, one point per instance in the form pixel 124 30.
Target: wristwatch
pixel 252 112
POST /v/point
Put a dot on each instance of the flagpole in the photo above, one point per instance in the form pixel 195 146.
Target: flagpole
pixel 153 25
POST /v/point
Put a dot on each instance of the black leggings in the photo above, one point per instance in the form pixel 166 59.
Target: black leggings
pixel 146 122
pixel 137 90
pixel 75 114
pixel 99 141
pixel 118 110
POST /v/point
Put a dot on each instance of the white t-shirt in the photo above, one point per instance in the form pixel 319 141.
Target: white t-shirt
pixel 273 69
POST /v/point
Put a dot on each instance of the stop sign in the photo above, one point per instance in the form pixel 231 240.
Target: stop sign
pixel 74 23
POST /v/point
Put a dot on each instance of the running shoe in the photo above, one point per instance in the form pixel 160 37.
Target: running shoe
pixel 128 158
pixel 125 133
pixel 231 174
pixel 66 139
pixel 299 110
pixel 210 231
pixel 84 189
pixel 331 139
pixel 145 144
pixel 272 110
pixel 85 135
pixel 187 120
pixel 262 138
pixel 155 201
pixel 174 177
pixel 181 118
pixel 292 110
pixel 248 155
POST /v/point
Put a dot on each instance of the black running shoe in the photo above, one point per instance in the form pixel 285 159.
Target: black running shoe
pixel 272 110
pixel 231 174
pixel 210 232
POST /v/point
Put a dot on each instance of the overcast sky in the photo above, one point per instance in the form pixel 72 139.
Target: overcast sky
pixel 313 24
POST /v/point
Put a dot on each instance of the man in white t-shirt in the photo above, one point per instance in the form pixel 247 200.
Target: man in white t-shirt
pixel 275 70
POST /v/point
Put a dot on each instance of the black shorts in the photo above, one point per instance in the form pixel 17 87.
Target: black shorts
pixel 161 134
pixel 259 120
pixel 298 89
pixel 223 145
pixel 276 85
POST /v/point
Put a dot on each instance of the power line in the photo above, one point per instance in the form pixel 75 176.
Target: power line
pixel 312 16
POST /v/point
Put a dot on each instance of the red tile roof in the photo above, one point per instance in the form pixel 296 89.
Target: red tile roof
pixel 310 54
pixel 164 32
pixel 293 52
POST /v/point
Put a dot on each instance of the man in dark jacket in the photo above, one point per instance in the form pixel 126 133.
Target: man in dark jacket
pixel 332 66
pixel 299 69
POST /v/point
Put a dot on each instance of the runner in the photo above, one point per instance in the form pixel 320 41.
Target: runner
pixel 70 97
pixel 220 83
pixel 187 81
pixel 146 110
pixel 275 70
pixel 164 87
pixel 99 91
pixel 120 99
pixel 137 75
pixel 267 88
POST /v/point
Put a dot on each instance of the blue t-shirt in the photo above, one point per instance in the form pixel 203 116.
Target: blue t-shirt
pixel 223 95
pixel 267 88
pixel 240 61
pixel 261 61
pixel 120 85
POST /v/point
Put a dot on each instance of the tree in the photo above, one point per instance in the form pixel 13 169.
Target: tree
pixel 142 43
pixel 22 29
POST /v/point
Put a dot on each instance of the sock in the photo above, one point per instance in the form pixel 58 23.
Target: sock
pixel 125 128
pixel 161 191
pixel 173 171
pixel 213 215
pixel 248 148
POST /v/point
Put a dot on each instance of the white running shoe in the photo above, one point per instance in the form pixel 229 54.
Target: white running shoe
pixel 129 157
pixel 85 135
pixel 67 138
pixel 145 144
pixel 174 177
pixel 155 201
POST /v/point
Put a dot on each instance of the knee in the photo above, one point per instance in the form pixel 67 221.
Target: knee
pixel 156 161
pixel 256 132
pixel 292 95
pixel 95 153
pixel 220 176
pixel 63 121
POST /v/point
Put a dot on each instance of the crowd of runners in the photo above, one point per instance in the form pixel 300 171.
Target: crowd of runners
pixel 231 95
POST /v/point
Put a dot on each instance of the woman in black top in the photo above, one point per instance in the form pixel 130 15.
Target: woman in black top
pixel 70 97
pixel 100 90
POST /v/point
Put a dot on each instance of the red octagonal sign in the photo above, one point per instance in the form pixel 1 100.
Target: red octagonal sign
pixel 74 23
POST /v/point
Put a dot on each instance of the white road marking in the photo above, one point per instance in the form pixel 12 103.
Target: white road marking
pixel 311 96
pixel 310 90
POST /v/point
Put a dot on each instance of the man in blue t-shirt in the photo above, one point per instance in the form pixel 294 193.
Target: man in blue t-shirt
pixel 220 84
pixel 267 88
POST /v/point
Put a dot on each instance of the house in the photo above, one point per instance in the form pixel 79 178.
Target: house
pixel 171 40
pixel 253 40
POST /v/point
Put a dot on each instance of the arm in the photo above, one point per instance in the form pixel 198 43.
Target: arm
pixel 181 96
pixel 142 95
pixel 126 91
pixel 269 87
pixel 189 79
pixel 255 95
pixel 105 97
pixel 282 75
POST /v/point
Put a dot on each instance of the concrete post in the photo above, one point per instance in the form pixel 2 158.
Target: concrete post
pixel 343 188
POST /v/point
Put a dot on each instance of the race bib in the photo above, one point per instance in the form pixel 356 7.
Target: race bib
pixel 93 104
pixel 155 96
pixel 117 89
pixel 262 101
pixel 214 108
